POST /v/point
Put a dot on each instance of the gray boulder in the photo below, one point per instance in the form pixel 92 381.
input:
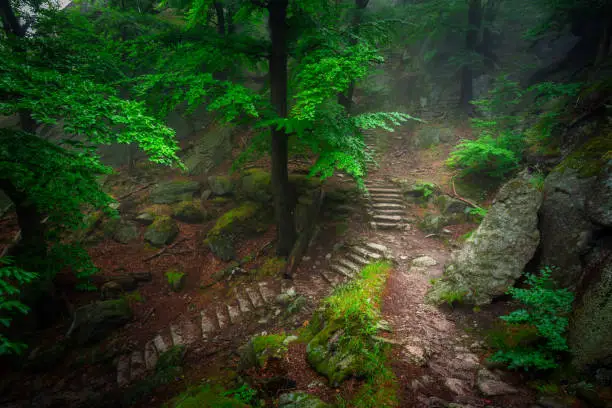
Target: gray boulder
pixel 564 225
pixel 496 253
pixel 221 185
pixel 210 150
pixel 300 400
pixel 432 135
pixel 173 191
pixel 599 203
pixel 95 321
pixel 162 232
pixel 125 232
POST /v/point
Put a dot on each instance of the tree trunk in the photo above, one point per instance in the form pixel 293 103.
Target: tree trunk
pixel 284 201
pixel 604 43
pixel 346 99
pixel 489 14
pixel 471 41
pixel 220 17
pixel 31 249
pixel 9 19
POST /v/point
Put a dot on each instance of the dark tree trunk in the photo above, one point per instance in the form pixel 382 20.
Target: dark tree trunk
pixel 31 249
pixel 220 17
pixel 284 201
pixel 471 41
pixel 346 99
pixel 9 19
pixel 489 14
pixel 604 43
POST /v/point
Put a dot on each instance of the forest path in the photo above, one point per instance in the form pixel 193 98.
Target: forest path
pixel 436 361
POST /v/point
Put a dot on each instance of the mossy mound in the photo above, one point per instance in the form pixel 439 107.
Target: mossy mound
pixel 301 400
pixel 256 185
pixel 245 219
pixel 591 157
pixel 173 191
pixel 207 396
pixel 221 185
pixel 304 183
pixel 188 211
pixel 260 349
pixel 272 267
pixel 162 231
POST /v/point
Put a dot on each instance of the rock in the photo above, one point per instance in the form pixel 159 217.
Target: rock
pixel 551 401
pixel 141 276
pixel 256 185
pixel 588 393
pixel 599 202
pixel 246 219
pixel 125 232
pixel 111 290
pixel 428 136
pixel 189 212
pixel 126 282
pixel 590 329
pixel 603 377
pixel 424 262
pixel 95 321
pixel 284 299
pixel 210 150
pixel 145 218
pixel 221 185
pixel 496 253
pixel 450 205
pixel 290 339
pixel 416 355
pixel 433 223
pixel 170 192
pixel 161 232
pixel 330 360
pixel 457 386
pixel 564 225
pixel 262 348
pixel 490 385
pixel 300 400
pixel 205 195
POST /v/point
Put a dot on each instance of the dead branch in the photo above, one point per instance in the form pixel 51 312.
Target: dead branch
pixel 135 191
pixel 458 197
pixel 164 249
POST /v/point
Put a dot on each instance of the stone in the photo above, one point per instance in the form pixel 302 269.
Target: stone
pixel 111 290
pixel 125 232
pixel 209 150
pixel 95 321
pixel 189 212
pixel 424 262
pixel 428 136
pixel 490 385
pixel 142 276
pixel 256 185
pixel 221 185
pixel 434 223
pixel 161 232
pixel 205 195
pixel 457 386
pixel 300 400
pixel 450 205
pixel 564 224
pixel 494 256
pixel 145 218
pixel 599 202
pixel 551 401
pixel 415 354
pixel 170 192
pixel 260 349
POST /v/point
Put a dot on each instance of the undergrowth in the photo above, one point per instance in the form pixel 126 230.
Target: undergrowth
pixel 534 336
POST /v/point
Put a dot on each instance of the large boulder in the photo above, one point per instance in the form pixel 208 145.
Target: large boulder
pixel 221 185
pixel 173 191
pixel 496 253
pixel 599 202
pixel 210 150
pixel 590 332
pixel 162 231
pixel 126 232
pixel 300 400
pixel 247 219
pixel 428 136
pixel 189 212
pixel 564 224
pixel 256 185
pixel 95 321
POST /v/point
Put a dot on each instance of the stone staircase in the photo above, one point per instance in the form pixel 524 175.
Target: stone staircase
pixel 386 205
pixel 250 302
pixel 346 265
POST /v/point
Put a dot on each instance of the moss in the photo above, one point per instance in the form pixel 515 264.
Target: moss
pixel 303 182
pixel 220 200
pixel 270 346
pixel 272 267
pixel 188 211
pixel 238 215
pixel 590 158
pixel 257 185
pixel 207 396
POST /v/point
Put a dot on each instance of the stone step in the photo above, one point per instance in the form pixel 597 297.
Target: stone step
pixel 386 196
pixel 123 370
pixel 208 325
pixel 366 253
pixel 342 270
pixel 360 260
pixel 379 248
pixel 384 190
pixel 184 333
pixel 222 317
pixel 160 344
pixel 386 225
pixel 255 297
pixel 332 278
pixel 243 303
pixel 150 355
pixel 388 218
pixel 234 313
pixel 266 293
pixel 137 365
pixel 349 264
pixel 387 200
pixel 388 206
pixel 392 212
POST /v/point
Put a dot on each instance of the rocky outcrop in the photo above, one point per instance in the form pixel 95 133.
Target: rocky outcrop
pixel 564 224
pixel 173 191
pixel 221 185
pixel 599 202
pixel 161 232
pixel 256 185
pixel 189 212
pixel 95 321
pixel 496 253
pixel 210 150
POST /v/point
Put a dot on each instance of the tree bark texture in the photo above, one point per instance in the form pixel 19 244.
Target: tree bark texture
pixel 284 200
pixel 471 41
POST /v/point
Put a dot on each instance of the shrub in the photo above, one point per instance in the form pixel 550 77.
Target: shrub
pixel 425 188
pixel 545 313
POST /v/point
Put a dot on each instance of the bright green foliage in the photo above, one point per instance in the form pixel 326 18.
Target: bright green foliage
pixel 11 280
pixel 478 212
pixel 174 276
pixel 425 188
pixel 485 155
pixel 546 310
pixel 208 396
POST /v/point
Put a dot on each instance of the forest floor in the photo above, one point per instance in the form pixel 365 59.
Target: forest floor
pixel 438 353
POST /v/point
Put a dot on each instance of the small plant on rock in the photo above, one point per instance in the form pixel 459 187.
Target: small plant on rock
pixel 545 314
pixel 425 188
pixel 175 279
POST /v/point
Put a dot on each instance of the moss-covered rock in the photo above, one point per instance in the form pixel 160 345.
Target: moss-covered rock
pixel 590 158
pixel 161 232
pixel 272 267
pixel 95 321
pixel 173 191
pixel 125 232
pixel 221 185
pixel 256 185
pixel 303 183
pixel 189 211
pixel 449 205
pixel 260 349
pixel 301 400
pixel 245 219
pixel 428 136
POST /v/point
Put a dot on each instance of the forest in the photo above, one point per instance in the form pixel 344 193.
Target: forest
pixel 306 203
